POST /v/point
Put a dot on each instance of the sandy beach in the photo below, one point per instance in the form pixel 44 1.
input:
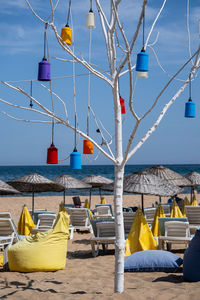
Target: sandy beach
pixel 86 277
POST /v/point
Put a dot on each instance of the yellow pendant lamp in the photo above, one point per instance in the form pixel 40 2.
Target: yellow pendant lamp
pixel 66 32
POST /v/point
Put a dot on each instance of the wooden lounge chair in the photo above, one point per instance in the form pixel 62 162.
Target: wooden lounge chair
pixel 105 236
pixel 80 219
pixel 176 232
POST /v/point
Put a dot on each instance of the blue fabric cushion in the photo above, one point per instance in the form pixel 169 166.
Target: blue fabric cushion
pixel 152 261
pixel 191 261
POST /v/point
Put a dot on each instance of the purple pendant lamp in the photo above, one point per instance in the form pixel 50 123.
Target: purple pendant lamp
pixel 44 73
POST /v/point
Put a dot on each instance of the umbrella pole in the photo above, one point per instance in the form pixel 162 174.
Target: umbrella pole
pixel 90 197
pixel 191 194
pixel 160 199
pixel 32 204
pixel 64 196
pixel 100 193
pixel 142 198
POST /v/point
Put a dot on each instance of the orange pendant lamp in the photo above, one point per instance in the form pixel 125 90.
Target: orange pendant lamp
pixel 66 32
pixel 87 147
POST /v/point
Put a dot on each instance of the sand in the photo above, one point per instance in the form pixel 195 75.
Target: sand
pixel 86 277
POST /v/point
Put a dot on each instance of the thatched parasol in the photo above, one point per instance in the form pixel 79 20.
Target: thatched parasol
pixel 96 181
pixel 146 184
pixel 194 179
pixel 35 183
pixel 167 174
pixel 70 182
pixel 6 189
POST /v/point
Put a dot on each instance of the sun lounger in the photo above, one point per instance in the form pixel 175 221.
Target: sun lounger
pixel 105 236
pixel 128 221
pixel 149 214
pixel 103 211
pixel 176 232
pixel 193 215
pixel 45 222
pixel 80 219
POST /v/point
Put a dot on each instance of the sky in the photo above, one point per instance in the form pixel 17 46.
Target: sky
pixel 176 139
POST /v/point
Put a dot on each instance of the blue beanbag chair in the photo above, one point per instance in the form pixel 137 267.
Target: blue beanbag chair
pixel 152 261
pixel 191 260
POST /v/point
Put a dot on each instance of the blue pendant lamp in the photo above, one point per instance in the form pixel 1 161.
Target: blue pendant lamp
pixel 75 156
pixel 190 106
pixel 142 64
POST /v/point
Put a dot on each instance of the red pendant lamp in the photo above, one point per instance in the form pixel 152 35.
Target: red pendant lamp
pixel 52 155
pixel 123 111
pixel 52 151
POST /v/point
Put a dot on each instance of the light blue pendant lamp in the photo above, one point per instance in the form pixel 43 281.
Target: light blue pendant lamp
pixel 75 156
pixel 190 106
pixel 142 64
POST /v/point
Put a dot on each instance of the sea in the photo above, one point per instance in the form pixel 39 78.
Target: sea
pixel 50 171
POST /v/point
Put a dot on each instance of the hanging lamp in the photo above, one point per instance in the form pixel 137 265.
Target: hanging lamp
pixel 44 73
pixel 142 64
pixel 123 111
pixel 52 155
pixel 75 156
pixel 66 32
pixel 190 106
pixel 122 101
pixel 90 18
pixel 52 151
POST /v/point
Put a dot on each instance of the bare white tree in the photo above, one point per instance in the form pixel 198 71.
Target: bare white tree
pixel 115 38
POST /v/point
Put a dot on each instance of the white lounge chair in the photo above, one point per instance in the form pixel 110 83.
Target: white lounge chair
pixel 176 232
pixel 149 214
pixel 8 236
pixel 193 215
pixel 80 219
pixel 45 222
pixel 103 211
pixel 128 221
pixel 105 236
pixel 166 209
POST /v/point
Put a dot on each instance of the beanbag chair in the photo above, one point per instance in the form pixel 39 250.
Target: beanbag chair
pixel 191 260
pixel 152 261
pixel 44 251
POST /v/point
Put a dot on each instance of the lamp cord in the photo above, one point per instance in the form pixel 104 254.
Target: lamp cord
pixel 143 28
pixel 190 88
pixel 31 90
pixel 45 41
pixel 90 5
pixel 68 13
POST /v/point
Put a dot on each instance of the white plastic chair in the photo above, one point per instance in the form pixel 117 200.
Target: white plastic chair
pixel 103 211
pixel 45 222
pixel 128 221
pixel 193 215
pixel 80 219
pixel 149 214
pixel 105 236
pixel 176 232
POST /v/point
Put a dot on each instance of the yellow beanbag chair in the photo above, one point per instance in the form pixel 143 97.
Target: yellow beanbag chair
pixel 44 251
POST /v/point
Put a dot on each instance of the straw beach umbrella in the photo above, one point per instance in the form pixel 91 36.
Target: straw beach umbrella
pixel 194 179
pixel 96 181
pixel 6 189
pixel 35 183
pixel 70 182
pixel 146 184
pixel 168 175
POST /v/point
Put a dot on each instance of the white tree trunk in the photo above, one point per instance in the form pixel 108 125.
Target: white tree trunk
pixel 119 231
pixel 118 192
